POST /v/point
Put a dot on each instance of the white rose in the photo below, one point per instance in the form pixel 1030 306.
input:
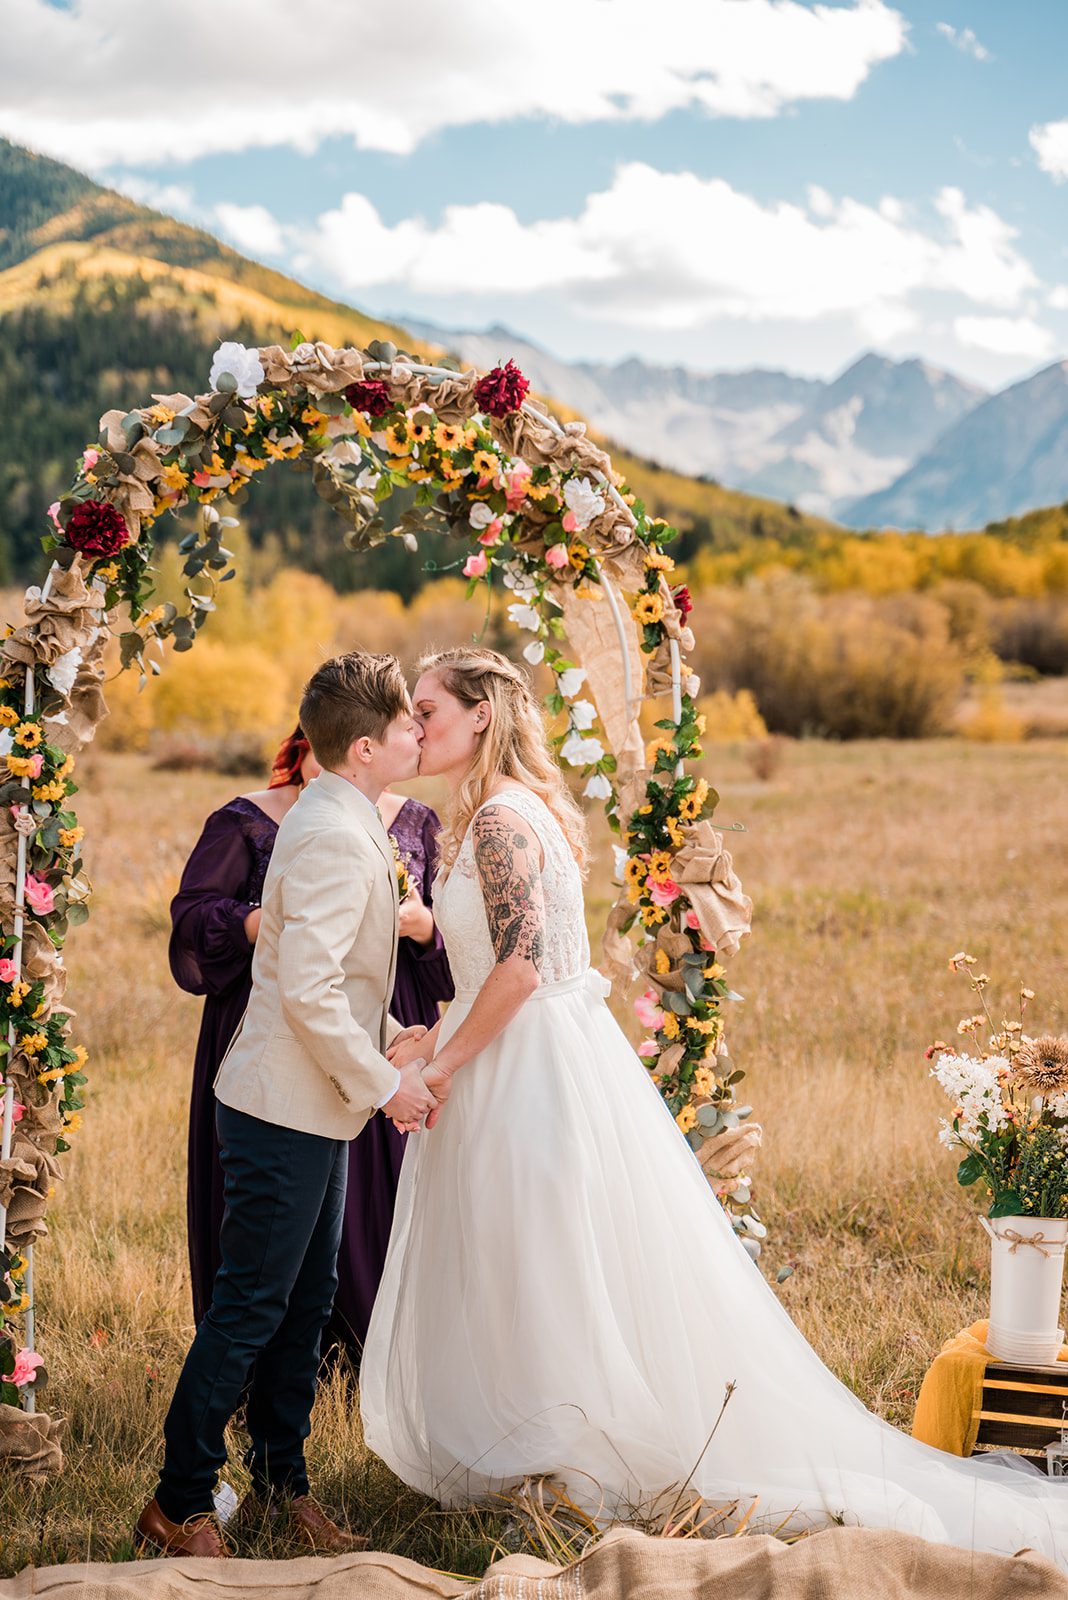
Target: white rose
pixel 301 355
pixel 481 515
pixel 583 500
pixel 619 855
pixel 571 681
pixel 599 788
pixel 244 364
pixel 579 752
pixel 534 652
pixel 368 479
pixel 7 742
pixel 583 714
pixel 64 670
pixel 525 617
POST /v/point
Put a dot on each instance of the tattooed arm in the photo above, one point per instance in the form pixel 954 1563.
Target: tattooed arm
pixel 508 857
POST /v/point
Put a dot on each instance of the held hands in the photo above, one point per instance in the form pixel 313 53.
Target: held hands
pixel 406 1046
pixel 439 1081
pixel 415 920
pixel 413 1100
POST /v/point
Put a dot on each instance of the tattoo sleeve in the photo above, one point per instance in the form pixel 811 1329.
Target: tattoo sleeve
pixel 507 857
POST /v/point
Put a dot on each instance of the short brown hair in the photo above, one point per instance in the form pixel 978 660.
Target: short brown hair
pixel 354 696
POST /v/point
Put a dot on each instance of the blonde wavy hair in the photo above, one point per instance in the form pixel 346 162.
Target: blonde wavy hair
pixel 513 745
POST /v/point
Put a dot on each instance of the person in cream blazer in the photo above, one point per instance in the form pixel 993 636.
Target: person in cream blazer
pixel 301 1076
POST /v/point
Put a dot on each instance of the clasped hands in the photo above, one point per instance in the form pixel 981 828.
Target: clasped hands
pixel 423 1088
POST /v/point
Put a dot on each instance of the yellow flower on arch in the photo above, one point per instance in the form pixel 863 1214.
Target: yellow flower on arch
pixel 687 1118
pixel 397 441
pixel 8 716
pixel 28 736
pixel 656 561
pixel 654 748
pixel 670 1026
pixel 649 608
pixel 420 427
pixel 663 962
pixel 660 866
pixel 447 436
pixel 485 464
pixel 692 804
pixel 635 870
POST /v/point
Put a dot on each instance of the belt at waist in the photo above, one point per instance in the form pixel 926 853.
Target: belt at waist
pixel 597 986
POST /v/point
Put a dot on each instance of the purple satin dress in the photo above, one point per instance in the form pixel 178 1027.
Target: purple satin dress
pixel 210 955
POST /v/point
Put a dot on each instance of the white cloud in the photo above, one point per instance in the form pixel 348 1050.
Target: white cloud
pixel 1049 141
pixel 964 40
pixel 673 250
pixel 237 74
pixel 1005 336
pixel 251 228
pixel 1057 299
pixel 175 199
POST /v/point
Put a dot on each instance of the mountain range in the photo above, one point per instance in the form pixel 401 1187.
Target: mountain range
pixel 104 301
pixel 885 444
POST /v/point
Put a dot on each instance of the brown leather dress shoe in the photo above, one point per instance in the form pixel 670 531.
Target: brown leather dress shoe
pixel 199 1536
pixel 301 1516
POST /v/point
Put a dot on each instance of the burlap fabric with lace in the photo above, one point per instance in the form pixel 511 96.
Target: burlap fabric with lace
pixel 842 1564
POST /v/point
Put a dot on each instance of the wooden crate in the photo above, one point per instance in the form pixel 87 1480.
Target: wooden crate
pixel 1023 1409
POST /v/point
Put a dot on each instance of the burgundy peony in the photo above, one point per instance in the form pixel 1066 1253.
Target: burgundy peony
pixel 683 600
pixel 372 396
pixel 501 391
pixel 96 529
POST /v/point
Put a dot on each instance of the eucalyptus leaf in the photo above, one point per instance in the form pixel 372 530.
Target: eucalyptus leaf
pixel 226 383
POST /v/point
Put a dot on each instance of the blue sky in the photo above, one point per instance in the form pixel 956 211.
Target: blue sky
pixel 719 182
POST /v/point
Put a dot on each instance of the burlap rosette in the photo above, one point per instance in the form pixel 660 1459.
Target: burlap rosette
pixel 704 866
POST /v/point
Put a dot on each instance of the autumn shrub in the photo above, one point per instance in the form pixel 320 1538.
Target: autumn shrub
pixel 1034 633
pixel 844 667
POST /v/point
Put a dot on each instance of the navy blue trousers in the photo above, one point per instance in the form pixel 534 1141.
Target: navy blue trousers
pixel 284 1195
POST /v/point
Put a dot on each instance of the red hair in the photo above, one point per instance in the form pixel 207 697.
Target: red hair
pixel 287 763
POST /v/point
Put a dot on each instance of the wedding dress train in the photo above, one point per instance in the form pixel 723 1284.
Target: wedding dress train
pixel 563 1294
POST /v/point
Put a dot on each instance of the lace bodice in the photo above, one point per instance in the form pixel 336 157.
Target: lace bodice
pixel 461 911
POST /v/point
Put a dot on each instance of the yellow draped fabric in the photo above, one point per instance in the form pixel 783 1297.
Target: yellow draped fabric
pixel 947 1411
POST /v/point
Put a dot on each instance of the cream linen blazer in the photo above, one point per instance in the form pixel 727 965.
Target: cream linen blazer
pixel 308 1053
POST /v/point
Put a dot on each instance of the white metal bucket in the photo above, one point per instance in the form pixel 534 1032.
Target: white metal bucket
pixel 1026 1269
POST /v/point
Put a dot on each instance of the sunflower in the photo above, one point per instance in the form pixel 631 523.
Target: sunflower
pixel 655 747
pixel 660 866
pixel 447 436
pixel 649 608
pixel 8 717
pixel 687 1118
pixel 663 963
pixel 578 555
pixel 28 736
pixel 635 870
pixel 692 804
pixel 397 441
pixel 420 427
pixel 485 464
pixel 1041 1065
pixel 656 561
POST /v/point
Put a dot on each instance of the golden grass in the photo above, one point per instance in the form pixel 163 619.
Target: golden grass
pixel 869 865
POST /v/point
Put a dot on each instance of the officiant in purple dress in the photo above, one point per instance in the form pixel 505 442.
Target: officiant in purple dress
pixel 214 921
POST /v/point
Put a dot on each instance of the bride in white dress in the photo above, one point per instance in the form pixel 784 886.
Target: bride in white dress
pixel 563 1293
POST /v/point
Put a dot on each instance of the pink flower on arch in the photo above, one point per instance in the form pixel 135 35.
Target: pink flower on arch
pixel 53 514
pixel 515 485
pixel 90 458
pixel 39 895
pixel 8 970
pixel 569 522
pixel 556 555
pixel 26 1364
pixel 664 894
pixel 475 566
pixel 492 532
pixel 648 1012
pixel 648 1047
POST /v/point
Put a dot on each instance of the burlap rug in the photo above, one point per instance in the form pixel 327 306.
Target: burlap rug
pixel 843 1564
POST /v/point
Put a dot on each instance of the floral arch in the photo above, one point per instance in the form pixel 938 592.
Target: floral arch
pixel 530 499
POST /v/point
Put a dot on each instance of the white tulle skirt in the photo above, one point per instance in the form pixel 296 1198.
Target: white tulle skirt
pixel 563 1294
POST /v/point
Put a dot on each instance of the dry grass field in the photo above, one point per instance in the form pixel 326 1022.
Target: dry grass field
pixel 869 864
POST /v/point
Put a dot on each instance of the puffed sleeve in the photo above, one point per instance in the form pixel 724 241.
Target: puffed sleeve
pixel 209 949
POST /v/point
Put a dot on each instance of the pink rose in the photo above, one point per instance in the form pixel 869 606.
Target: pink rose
pixel 492 532
pixel 648 1012
pixel 569 522
pixel 17 1110
pixel 515 485
pixel 648 1047
pixel 556 555
pixel 476 565
pixel 90 458
pixel 664 894
pixel 39 895
pixel 26 1364
pixel 692 922
pixel 53 513
pixel 8 971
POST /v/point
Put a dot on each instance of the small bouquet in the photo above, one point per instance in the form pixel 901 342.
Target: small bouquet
pixel 401 865
pixel 1010 1106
